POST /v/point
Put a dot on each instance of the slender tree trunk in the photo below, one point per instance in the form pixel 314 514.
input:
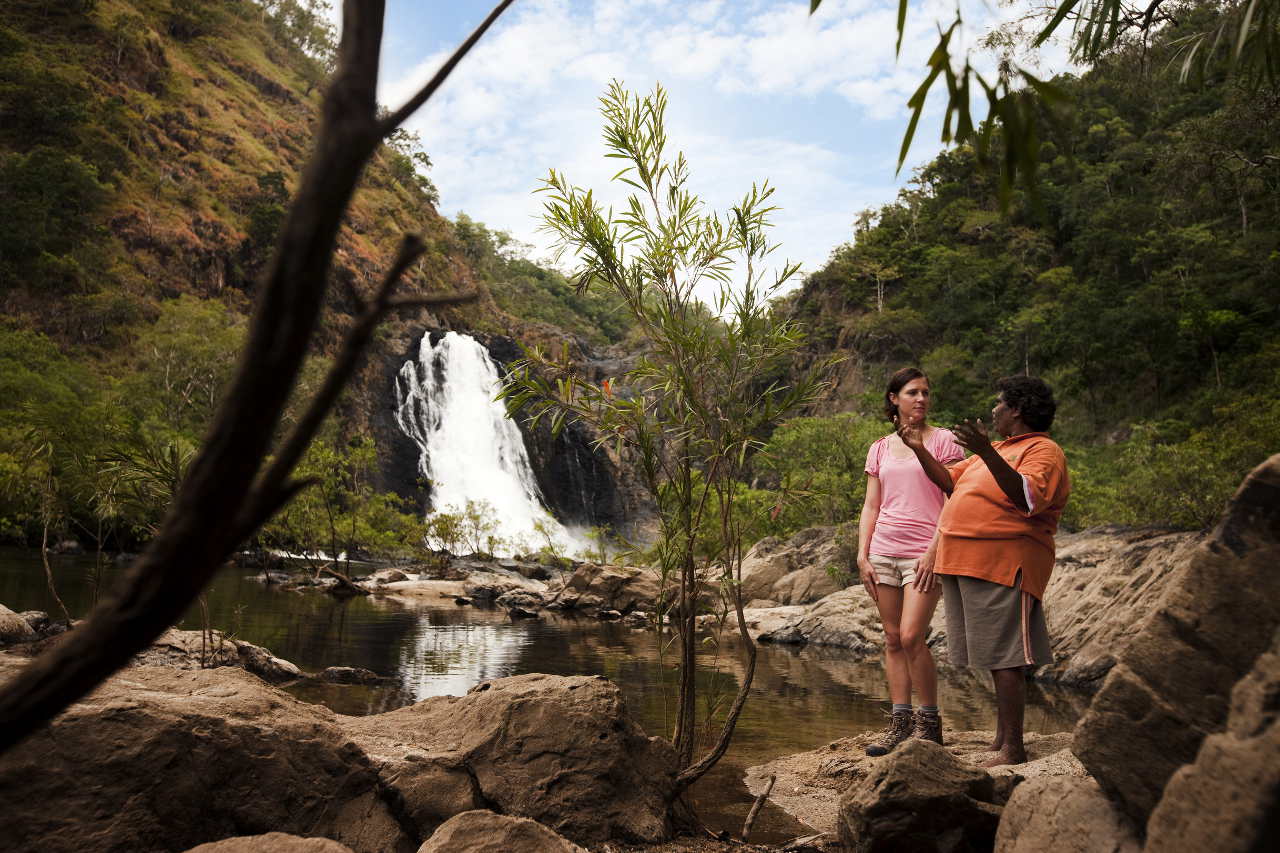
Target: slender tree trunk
pixel 48 570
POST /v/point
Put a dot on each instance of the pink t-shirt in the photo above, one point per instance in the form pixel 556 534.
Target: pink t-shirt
pixel 909 500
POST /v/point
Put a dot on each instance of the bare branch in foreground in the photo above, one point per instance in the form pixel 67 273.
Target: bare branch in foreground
pixel 224 497
pixel 398 117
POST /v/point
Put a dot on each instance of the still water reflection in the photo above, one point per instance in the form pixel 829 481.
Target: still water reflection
pixel 800 698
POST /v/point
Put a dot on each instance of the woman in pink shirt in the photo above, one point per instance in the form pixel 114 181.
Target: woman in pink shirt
pixel 899 517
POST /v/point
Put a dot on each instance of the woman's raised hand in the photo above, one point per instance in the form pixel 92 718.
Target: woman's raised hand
pixel 912 434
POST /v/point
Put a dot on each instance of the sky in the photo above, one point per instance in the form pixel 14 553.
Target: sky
pixel 757 89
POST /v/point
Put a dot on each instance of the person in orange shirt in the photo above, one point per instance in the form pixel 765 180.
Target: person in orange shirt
pixel 994 548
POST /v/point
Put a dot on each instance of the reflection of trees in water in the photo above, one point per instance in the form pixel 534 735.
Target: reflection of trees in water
pixel 311 628
pixel 801 698
pixel 22 583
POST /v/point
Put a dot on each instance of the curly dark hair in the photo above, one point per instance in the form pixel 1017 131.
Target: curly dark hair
pixel 896 383
pixel 1033 399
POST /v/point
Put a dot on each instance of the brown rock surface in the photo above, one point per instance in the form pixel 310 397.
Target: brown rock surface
pixel 193 650
pixel 1229 799
pixel 920 798
pixel 490 583
pixel 847 618
pixel 809 784
pixel 482 831
pixel 765 620
pixel 561 751
pixel 794 571
pixel 1170 685
pixel 1104 583
pixel 13 628
pixel 620 588
pixel 164 759
pixel 1063 814
pixel 766 563
pixel 272 842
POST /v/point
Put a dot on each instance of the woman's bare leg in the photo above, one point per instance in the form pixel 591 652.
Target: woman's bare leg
pixel 917 612
pixel 896 664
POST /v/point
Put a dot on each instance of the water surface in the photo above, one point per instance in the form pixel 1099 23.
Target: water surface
pixel 800 698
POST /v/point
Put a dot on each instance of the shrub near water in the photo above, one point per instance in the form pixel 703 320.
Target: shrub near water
pixel 1169 476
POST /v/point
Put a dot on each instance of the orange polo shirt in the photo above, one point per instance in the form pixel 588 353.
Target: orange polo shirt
pixel 982 534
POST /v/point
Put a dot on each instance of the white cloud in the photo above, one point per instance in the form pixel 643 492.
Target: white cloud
pixel 526 100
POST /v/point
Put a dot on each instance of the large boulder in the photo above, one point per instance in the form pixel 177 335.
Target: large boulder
pixel 1064 814
pixel 482 831
pixel 13 628
pixel 165 759
pixel 767 562
pixel 800 570
pixel 620 588
pixel 847 618
pixel 764 620
pixel 272 842
pixel 1171 685
pixel 809 784
pixel 1229 799
pixel 1102 587
pixel 559 750
pixel 920 798
pixel 492 582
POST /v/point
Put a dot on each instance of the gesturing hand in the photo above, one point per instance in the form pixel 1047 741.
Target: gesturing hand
pixel 972 436
pixel 912 434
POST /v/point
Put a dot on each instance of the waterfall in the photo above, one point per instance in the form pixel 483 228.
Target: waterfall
pixel 469 450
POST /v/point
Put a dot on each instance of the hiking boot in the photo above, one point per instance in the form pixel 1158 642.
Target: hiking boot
pixel 928 727
pixel 900 725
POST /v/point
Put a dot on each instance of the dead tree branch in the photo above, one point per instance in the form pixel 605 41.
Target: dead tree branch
pixel 225 494
pixel 755 808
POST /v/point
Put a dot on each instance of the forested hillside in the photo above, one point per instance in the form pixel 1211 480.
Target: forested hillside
pixel 148 149
pixel 1143 283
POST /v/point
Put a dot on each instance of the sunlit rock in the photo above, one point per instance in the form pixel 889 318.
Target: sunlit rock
pixel 482 831
pixel 1065 814
pixel 13 628
pixel 159 758
pixel 1171 684
pixel 560 750
pixel 272 842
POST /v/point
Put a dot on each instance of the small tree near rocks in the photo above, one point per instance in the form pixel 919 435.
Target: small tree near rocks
pixel 696 405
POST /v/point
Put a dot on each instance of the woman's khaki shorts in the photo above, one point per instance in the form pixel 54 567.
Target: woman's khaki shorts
pixel 894 571
pixel 991 626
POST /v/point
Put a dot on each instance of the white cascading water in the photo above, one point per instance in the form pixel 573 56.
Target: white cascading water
pixel 469 449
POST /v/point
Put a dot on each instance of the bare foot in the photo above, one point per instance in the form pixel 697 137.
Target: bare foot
pixel 1007 755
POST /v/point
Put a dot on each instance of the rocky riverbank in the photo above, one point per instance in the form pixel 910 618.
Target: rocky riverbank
pixel 1178 750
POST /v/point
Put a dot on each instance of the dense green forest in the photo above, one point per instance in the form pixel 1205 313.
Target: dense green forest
pixel 148 148
pixel 1142 281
